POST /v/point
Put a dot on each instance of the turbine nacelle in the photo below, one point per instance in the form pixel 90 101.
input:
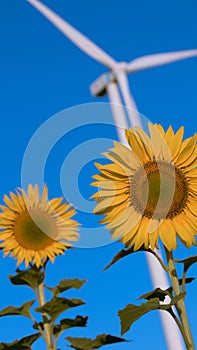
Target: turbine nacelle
pixel 99 86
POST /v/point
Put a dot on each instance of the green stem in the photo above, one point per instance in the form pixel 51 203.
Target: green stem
pixel 47 328
pixel 183 282
pixel 180 305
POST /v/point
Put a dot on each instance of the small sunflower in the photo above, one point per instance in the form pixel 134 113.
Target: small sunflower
pixel 33 228
pixel 149 191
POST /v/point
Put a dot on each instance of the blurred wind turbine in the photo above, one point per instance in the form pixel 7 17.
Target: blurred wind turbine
pixel 114 83
pixel 118 70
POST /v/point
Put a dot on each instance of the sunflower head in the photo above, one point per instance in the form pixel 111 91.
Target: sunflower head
pixel 33 228
pixel 149 190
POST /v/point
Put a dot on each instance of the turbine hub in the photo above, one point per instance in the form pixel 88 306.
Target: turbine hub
pixel 121 66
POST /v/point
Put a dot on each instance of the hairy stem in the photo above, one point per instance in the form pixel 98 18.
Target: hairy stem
pixel 180 305
pixel 47 328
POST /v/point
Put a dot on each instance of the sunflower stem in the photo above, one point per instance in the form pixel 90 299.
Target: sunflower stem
pixel 180 305
pixel 46 325
pixel 183 282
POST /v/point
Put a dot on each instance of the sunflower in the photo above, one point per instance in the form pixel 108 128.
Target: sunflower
pixel 149 190
pixel 33 228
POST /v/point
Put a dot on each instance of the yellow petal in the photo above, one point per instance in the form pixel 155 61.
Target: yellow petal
pixel 187 149
pixel 142 234
pixel 128 225
pixel 138 147
pixel 153 239
pixel 153 225
pixel 182 231
pixel 122 218
pixel 177 141
pixel 167 234
pixel 156 141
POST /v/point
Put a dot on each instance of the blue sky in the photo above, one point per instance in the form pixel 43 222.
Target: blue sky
pixel 42 74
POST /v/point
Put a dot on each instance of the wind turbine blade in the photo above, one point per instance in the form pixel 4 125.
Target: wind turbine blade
pixel 132 111
pixel 154 60
pixel 158 275
pixel 75 36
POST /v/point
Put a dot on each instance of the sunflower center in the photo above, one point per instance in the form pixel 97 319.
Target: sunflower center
pixel 159 190
pixel 34 231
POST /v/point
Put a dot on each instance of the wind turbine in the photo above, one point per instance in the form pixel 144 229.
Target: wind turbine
pixel 111 83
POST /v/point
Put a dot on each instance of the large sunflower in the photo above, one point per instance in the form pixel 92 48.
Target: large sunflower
pixel 150 189
pixel 34 228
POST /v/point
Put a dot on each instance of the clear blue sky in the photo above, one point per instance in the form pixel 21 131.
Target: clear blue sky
pixel 42 73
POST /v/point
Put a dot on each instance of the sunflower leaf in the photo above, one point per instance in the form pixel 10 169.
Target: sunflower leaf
pixel 89 344
pixel 156 293
pixel 23 310
pixel 79 321
pixel 31 277
pixel 65 285
pixel 160 293
pixel 22 344
pixel 132 312
pixel 124 252
pixel 187 281
pixel 188 262
pixel 57 306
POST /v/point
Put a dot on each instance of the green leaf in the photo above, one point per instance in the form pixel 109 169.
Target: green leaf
pixel 160 293
pixel 156 293
pixel 31 277
pixel 187 280
pixel 65 285
pixel 125 252
pixel 22 344
pixel 79 321
pixel 58 305
pixel 188 262
pixel 89 344
pixel 132 313
pixel 23 310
